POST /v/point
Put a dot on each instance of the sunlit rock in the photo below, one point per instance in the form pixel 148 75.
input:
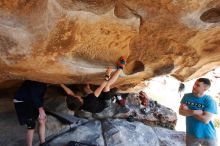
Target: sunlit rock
pixel 65 41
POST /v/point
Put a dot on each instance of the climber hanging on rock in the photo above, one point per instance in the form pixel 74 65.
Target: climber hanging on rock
pixel 95 102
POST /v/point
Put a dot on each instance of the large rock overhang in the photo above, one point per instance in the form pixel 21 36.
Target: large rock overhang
pixel 73 41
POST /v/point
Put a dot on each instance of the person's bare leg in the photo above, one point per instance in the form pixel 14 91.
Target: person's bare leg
pixel 112 80
pixel 29 137
pixel 41 130
pixel 120 65
pixel 98 91
pixel 105 86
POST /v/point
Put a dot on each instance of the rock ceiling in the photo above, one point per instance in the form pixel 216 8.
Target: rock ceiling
pixel 73 41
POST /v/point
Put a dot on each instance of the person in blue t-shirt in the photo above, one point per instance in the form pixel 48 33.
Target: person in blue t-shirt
pixel 199 109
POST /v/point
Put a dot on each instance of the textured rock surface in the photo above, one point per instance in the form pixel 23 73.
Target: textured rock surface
pixel 72 41
pixel 156 115
pixel 104 132
pixel 90 132
pixel 120 133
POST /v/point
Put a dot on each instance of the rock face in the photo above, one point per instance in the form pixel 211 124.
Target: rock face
pixel 102 131
pixel 154 114
pixel 73 41
pixel 121 133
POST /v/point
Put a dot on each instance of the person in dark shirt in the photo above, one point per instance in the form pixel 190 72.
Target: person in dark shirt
pixel 95 102
pixel 181 89
pixel 28 102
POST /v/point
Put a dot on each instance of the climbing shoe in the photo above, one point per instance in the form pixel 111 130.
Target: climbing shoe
pixel 121 62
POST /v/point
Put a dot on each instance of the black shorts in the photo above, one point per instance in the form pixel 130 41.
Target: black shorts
pixel 95 104
pixel 105 95
pixel 26 114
